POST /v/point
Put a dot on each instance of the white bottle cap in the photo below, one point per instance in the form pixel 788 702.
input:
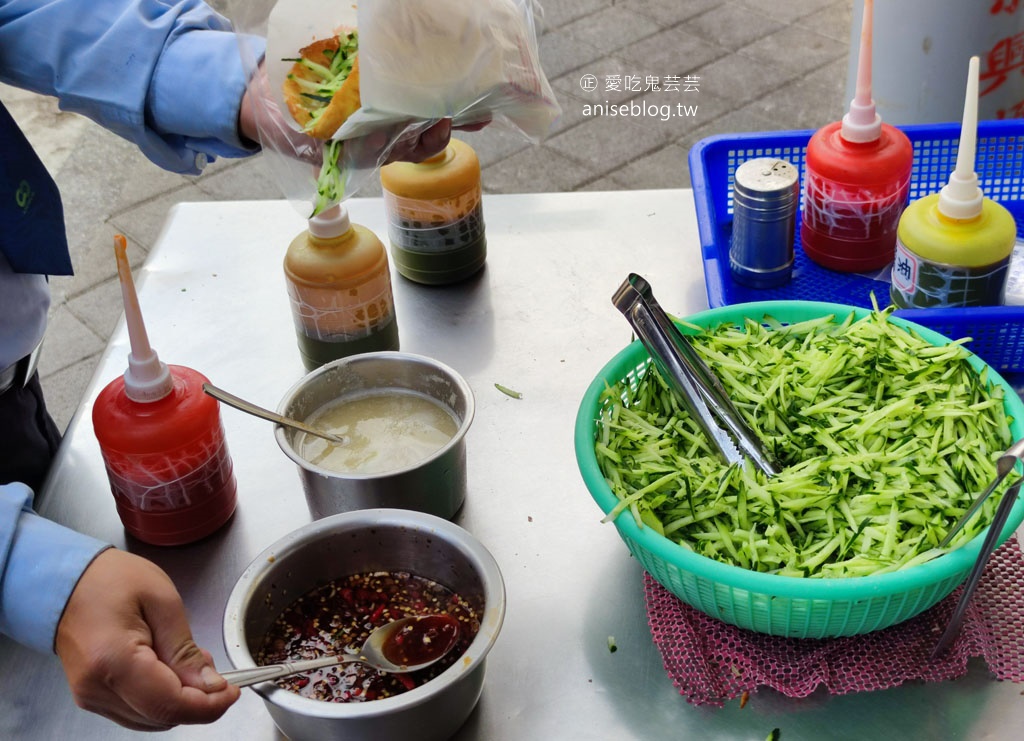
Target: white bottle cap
pixel 962 198
pixel 862 123
pixel 147 377
pixel 330 223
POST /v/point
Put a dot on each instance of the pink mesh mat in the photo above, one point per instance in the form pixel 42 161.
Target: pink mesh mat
pixel 711 662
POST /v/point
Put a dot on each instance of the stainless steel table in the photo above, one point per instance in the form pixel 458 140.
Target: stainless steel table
pixel 538 319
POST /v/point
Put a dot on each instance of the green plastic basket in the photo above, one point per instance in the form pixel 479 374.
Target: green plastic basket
pixel 766 603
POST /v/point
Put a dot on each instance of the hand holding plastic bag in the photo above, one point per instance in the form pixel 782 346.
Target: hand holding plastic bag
pixel 420 62
pixel 261 119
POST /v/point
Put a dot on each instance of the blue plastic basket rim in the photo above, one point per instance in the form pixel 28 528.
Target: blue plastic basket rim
pixel 848 588
pixel 992 328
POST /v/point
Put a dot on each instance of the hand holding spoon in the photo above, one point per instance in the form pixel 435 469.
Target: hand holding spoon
pixel 405 645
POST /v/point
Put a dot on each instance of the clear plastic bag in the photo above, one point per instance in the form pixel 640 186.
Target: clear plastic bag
pixel 420 61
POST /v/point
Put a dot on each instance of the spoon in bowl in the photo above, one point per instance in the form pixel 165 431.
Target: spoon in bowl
pixel 401 646
pixel 258 411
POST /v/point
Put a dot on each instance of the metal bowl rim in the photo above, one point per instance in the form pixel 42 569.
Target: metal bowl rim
pixel 280 433
pixel 476 653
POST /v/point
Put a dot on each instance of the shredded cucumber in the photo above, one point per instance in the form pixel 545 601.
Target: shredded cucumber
pixel 330 186
pixel 329 79
pixel 885 441
pixel 508 391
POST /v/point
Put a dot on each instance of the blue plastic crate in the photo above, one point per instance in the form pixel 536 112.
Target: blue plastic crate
pixel 997 331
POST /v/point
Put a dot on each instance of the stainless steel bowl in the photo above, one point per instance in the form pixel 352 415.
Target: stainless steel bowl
pixel 353 543
pixel 436 485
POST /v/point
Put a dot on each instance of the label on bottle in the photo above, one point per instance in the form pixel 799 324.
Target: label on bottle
pixel 904 269
pixel 921 283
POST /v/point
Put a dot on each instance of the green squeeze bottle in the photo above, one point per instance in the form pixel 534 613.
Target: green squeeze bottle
pixel 953 247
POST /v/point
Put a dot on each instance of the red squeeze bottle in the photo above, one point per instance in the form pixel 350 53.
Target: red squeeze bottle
pixel 857 181
pixel 162 440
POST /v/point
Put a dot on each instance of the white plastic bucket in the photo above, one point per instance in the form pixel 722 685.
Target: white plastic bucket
pixel 921 52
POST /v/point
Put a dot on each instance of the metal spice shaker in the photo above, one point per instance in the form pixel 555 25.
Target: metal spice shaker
pixel 765 196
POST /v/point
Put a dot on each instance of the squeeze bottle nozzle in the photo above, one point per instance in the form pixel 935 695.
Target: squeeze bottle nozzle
pixel 330 223
pixel 862 123
pixel 961 198
pixel 339 287
pixel 147 377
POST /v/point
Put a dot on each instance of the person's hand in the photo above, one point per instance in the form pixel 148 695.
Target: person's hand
pixel 128 653
pixel 416 146
pixel 261 121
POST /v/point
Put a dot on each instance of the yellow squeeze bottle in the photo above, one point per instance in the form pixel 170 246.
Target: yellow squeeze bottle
pixel 339 286
pixel 435 216
pixel 953 248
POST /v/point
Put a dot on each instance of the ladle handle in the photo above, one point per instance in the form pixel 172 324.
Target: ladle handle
pixel 246 677
pixel 258 411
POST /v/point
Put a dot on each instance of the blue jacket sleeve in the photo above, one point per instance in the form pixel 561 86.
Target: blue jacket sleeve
pixel 167 76
pixel 40 564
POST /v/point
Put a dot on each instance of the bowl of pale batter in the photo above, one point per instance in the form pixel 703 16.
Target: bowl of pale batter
pixel 403 418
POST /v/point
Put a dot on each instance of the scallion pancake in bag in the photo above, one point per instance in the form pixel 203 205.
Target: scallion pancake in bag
pixel 322 88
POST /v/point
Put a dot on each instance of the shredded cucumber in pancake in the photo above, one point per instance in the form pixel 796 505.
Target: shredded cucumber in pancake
pixel 317 89
pixel 885 440
pixel 327 80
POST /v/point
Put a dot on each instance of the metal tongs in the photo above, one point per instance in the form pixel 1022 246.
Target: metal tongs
pixel 1005 464
pixel 689 376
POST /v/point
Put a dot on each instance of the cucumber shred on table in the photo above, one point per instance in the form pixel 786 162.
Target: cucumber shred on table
pixel 884 438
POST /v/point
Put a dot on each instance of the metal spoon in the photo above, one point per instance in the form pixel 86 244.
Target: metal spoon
pixel 390 648
pixel 257 411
